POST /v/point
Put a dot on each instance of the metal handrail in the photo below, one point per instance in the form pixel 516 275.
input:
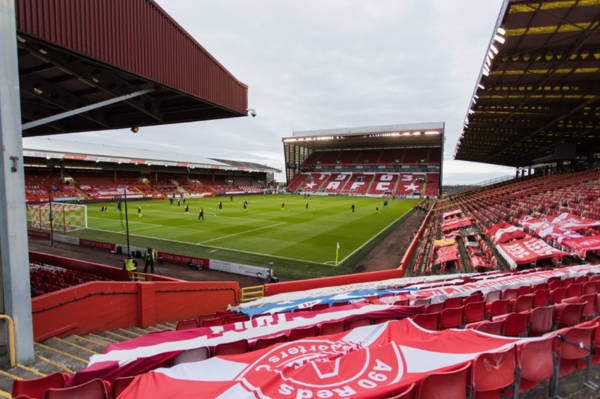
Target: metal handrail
pixel 252 293
pixel 11 339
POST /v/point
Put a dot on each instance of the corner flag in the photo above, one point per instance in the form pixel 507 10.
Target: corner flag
pixel 337 253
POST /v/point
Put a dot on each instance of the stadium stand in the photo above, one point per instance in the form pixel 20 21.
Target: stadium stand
pixel 410 171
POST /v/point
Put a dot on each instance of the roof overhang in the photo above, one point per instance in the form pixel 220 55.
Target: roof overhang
pixel 539 85
pixel 130 52
pixel 399 135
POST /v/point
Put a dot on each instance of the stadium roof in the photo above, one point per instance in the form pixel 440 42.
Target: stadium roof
pixel 537 95
pixel 73 151
pixel 400 135
pixel 79 54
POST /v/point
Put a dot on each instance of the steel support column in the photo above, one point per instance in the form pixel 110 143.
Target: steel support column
pixel 13 223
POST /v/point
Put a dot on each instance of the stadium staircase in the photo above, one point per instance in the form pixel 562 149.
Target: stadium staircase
pixel 70 354
pixel 370 184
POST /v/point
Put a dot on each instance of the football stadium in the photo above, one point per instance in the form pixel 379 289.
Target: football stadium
pixel 130 273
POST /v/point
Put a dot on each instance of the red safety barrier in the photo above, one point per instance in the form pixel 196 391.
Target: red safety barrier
pixel 415 242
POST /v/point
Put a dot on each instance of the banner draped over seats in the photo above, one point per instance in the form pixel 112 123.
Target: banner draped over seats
pixel 581 245
pixel 146 352
pixel 376 360
pixel 558 228
pixel 522 252
pixel 504 232
pixel 455 223
pixel 447 254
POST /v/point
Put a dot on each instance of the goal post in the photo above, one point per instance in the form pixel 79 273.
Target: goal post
pixel 66 217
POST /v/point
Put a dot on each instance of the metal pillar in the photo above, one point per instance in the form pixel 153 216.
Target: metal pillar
pixel 13 223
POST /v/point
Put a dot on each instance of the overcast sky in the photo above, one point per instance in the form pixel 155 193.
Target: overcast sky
pixel 330 64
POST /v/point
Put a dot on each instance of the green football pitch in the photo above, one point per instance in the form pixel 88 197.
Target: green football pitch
pixel 294 233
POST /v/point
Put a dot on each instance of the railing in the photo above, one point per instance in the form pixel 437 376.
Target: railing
pixel 11 339
pixel 252 293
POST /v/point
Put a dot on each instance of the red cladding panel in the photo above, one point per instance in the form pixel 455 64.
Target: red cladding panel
pixel 137 36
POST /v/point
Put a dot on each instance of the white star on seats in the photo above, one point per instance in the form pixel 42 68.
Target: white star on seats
pixel 411 187
pixel 310 185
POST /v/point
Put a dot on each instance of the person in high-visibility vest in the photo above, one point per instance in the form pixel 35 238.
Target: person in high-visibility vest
pixel 129 264
pixel 150 259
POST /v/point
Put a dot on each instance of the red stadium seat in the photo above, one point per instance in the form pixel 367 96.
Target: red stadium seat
pixel 434 307
pixel 119 385
pixel 524 290
pixel 493 371
pixel 475 297
pixel 232 348
pixel 186 324
pixel 451 317
pixel 535 363
pixel 446 384
pixel 191 355
pixel 542 286
pixel 515 324
pixel 540 321
pixel 541 297
pixel 493 296
pixel 429 321
pixel 331 327
pixel 590 287
pixel 37 387
pixel 351 324
pixel 575 344
pixel 497 308
pixel 236 318
pixel 589 310
pixel 510 293
pixel 453 302
pixel 574 289
pixel 558 294
pixel 262 343
pixel 94 389
pixel 216 321
pixel 569 314
pixel 319 306
pixel 302 332
pixel 401 302
pixel 474 311
pixel 486 326
pixel 523 303
pixel 407 393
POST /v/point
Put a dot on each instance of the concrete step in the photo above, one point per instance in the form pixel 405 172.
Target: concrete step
pixel 70 354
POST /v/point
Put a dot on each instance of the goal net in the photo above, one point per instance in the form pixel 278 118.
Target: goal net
pixel 65 217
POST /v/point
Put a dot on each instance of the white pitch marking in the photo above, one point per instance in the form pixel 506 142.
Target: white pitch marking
pixel 241 232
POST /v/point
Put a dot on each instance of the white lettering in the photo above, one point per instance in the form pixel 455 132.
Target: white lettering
pixel 304 394
pixel 377 377
pixel 345 391
pixel 367 384
pixel 382 186
pixel 333 185
pixel 285 389
pixel 381 366
pixel 357 184
pixel 323 393
pixel 386 178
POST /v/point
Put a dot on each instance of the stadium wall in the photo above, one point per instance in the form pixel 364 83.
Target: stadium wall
pixel 415 242
pixel 98 306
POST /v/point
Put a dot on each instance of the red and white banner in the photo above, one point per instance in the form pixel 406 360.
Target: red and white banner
pixel 566 221
pixel 367 362
pixel 455 212
pixel 522 252
pixel 500 282
pixel 583 244
pixel 446 254
pixel 456 223
pixel 504 232
pixel 558 228
pixel 149 351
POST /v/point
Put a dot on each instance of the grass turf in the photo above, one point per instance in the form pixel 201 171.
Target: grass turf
pixel 291 240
